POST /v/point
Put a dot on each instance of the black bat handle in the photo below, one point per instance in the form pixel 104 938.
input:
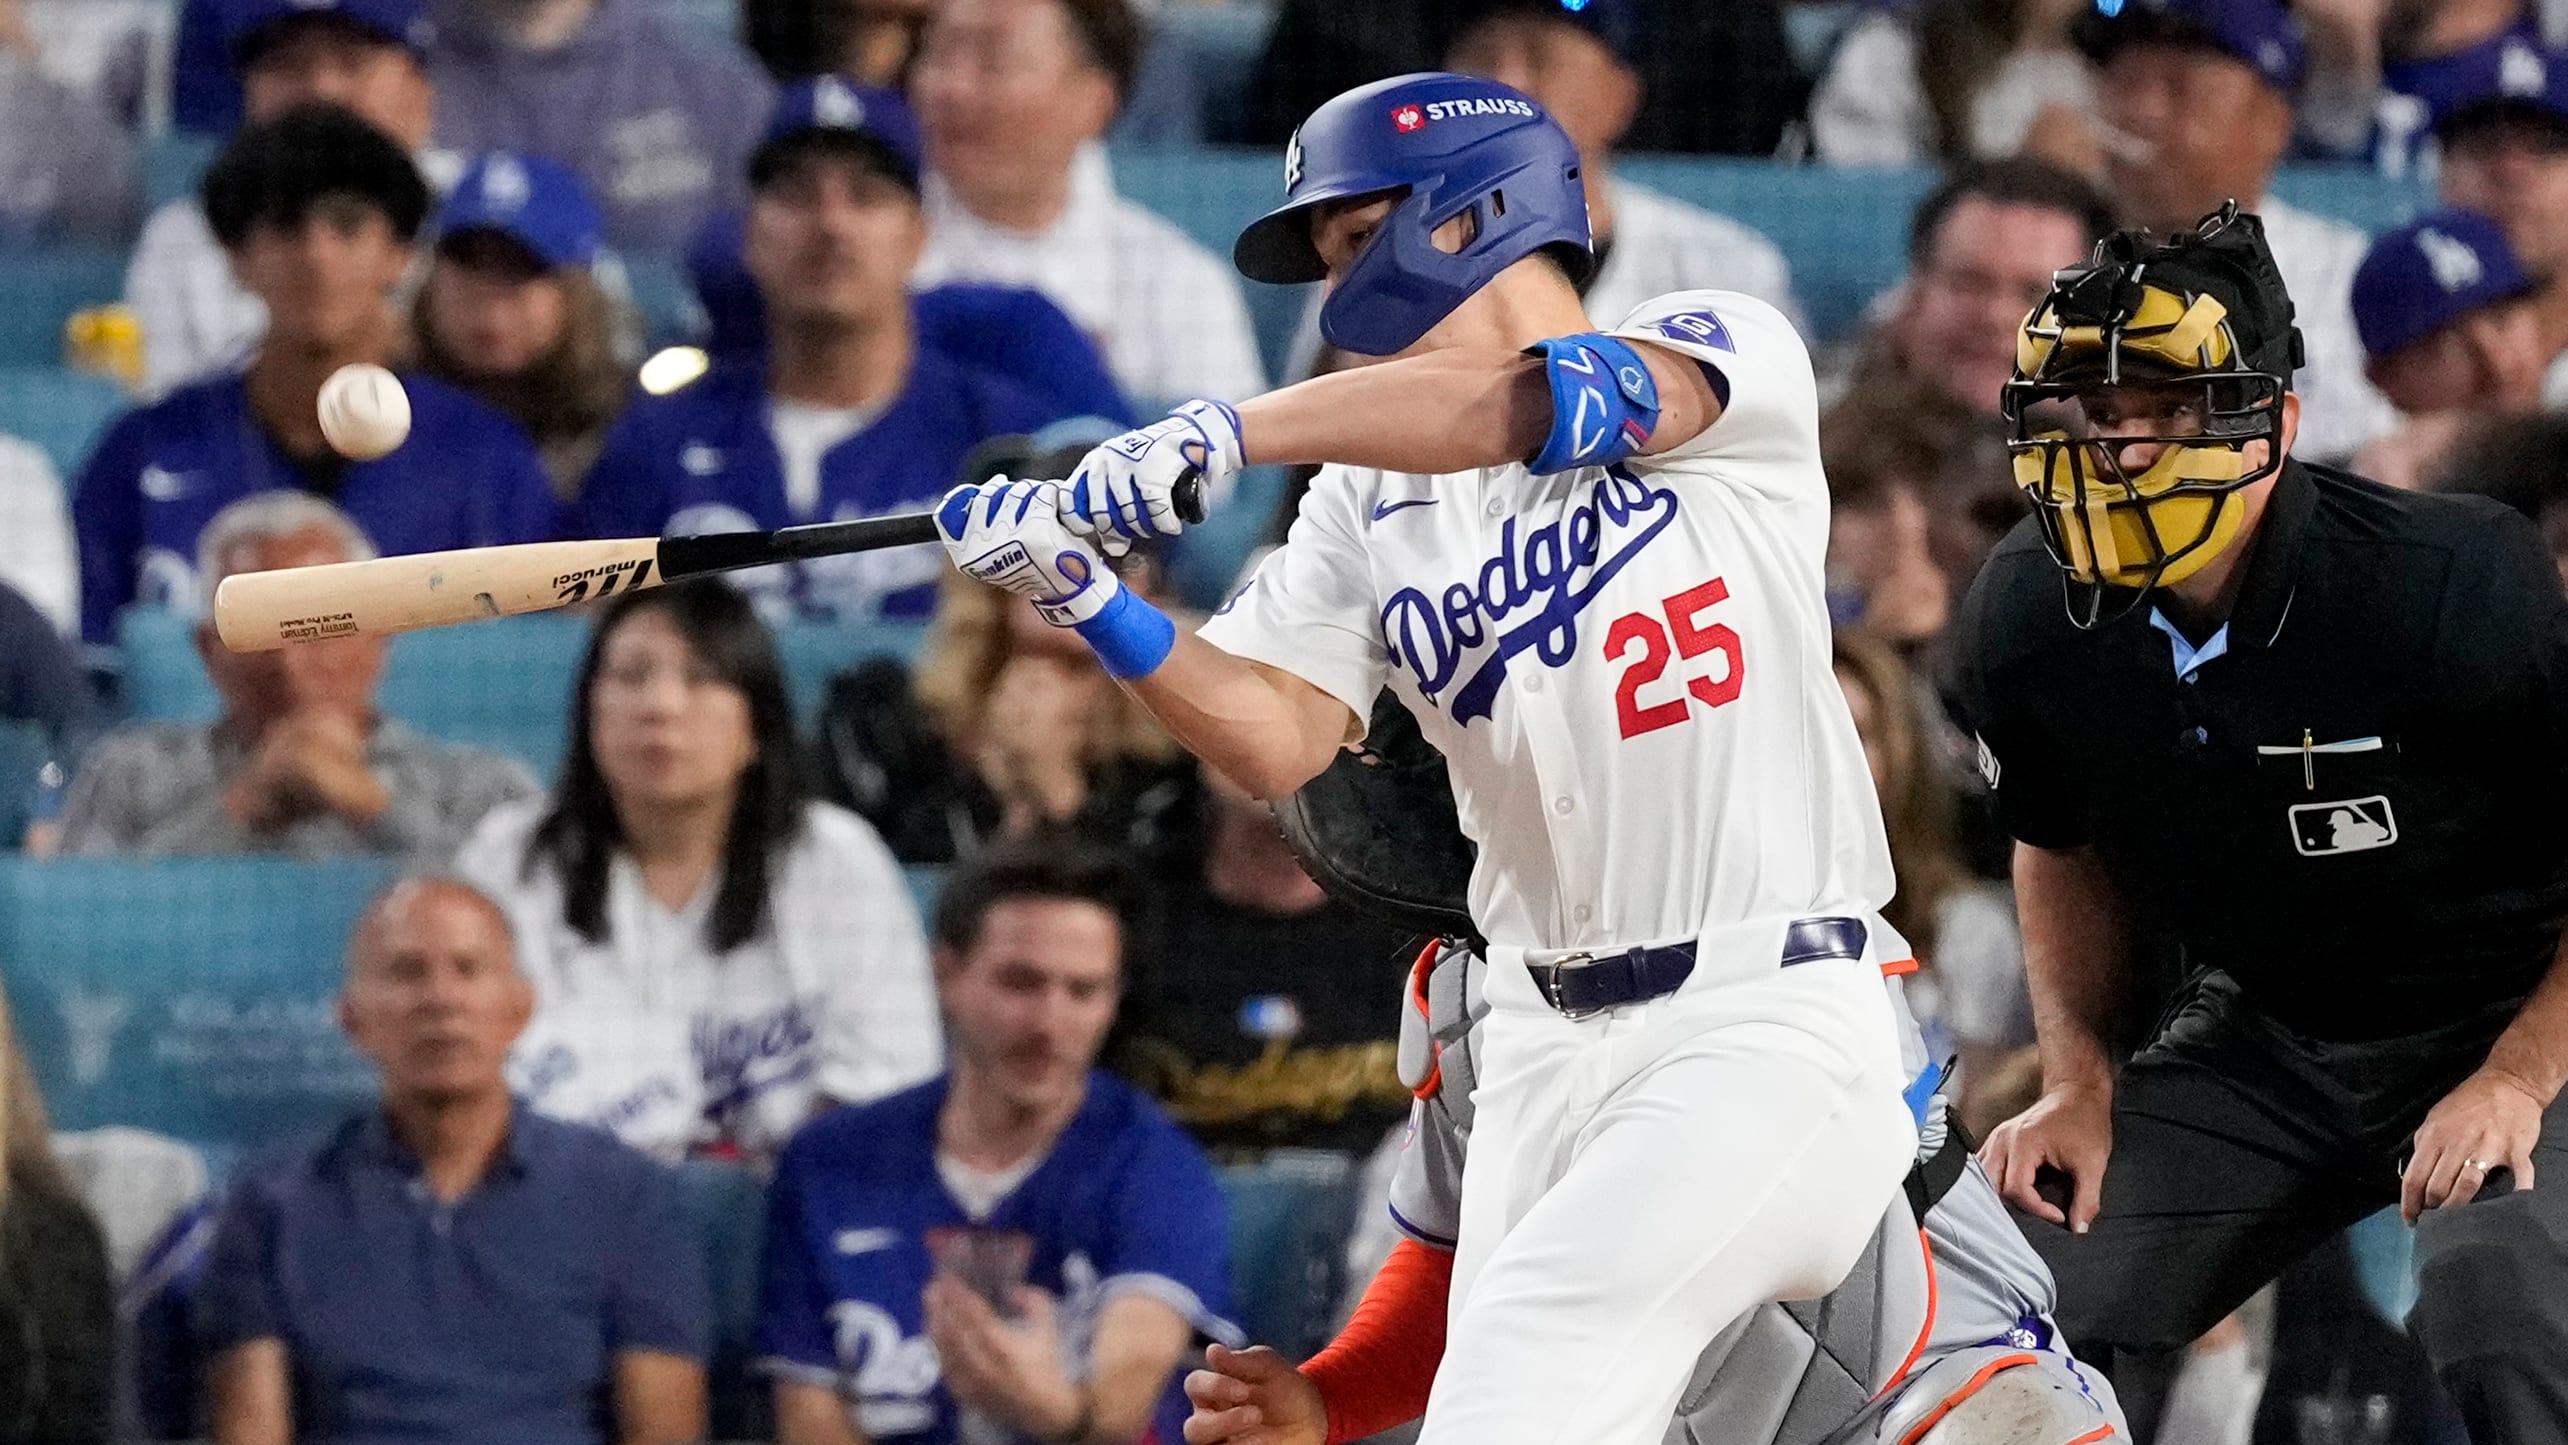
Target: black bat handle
pixel 729 551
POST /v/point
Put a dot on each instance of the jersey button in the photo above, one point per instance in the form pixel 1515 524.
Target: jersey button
pixel 1564 804
pixel 1581 913
pixel 1534 682
pixel 1497 507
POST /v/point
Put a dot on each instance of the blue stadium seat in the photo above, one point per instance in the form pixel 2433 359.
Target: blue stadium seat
pixel 188 997
pixel 1289 1217
pixel 815 652
pixel 175 163
pixel 60 411
pixel 924 880
pixel 45 287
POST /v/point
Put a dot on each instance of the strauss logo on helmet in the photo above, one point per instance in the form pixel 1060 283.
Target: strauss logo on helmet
pixel 1407 118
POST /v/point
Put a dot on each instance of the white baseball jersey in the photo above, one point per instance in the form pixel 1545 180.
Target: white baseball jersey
pixel 651 1035
pixel 1626 667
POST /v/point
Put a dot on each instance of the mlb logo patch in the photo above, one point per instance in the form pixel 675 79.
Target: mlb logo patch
pixel 1408 118
pixel 2356 825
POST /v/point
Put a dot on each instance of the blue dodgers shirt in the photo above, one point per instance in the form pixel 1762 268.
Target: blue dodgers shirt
pixel 466 477
pixel 702 459
pixel 494 1318
pixel 1124 1201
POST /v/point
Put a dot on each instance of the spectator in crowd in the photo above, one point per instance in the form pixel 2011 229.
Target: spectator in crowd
pixel 36 556
pixel 715 958
pixel 196 314
pixel 1040 1244
pixel 299 762
pixel 445 1264
pixel 1716 78
pixel 658 123
pixel 2524 464
pixel 67 168
pixel 1917 393
pixel 867 41
pixel 317 211
pixel 2505 156
pixel 1881 562
pixel 845 414
pixel 512 313
pixel 2434 58
pixel 1017 333
pixel 58 1310
pixel 1015 97
pixel 2197 102
pixel 1958 80
pixel 2450 337
pixel 1005 731
pixel 1969 993
pixel 1257 1015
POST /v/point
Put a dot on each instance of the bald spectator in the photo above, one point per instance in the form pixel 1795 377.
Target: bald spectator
pixel 1014 97
pixel 657 121
pixel 2197 105
pixel 299 762
pixel 364 55
pixel 443 1265
pixel 2450 336
pixel 2505 155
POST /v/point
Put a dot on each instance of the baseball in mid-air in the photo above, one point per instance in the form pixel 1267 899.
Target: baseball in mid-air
pixel 364 412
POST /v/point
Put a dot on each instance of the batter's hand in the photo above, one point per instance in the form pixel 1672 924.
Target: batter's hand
pixel 1251 1397
pixel 2069 1129
pixel 2489 1122
pixel 1126 488
pixel 1011 535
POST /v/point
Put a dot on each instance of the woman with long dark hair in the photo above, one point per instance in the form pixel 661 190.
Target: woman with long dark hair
pixel 57 1297
pixel 716 956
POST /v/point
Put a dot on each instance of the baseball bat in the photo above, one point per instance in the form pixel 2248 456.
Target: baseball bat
pixel 262 611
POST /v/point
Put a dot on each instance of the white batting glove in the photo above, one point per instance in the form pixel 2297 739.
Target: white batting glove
pixel 1012 535
pixel 1126 488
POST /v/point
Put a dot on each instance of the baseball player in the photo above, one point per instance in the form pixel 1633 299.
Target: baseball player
pixel 1590 563
pixel 1942 1334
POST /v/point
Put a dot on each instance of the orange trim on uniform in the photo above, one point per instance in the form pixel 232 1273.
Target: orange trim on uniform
pixel 1418 972
pixel 1896 967
pixel 1925 1331
pixel 2100 1432
pixel 1969 1388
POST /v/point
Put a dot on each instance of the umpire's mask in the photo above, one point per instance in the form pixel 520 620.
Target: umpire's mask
pixel 2186 346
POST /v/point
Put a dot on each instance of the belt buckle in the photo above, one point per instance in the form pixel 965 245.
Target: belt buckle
pixel 1547 982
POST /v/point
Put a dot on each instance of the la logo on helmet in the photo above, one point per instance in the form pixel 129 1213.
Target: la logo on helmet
pixel 1408 118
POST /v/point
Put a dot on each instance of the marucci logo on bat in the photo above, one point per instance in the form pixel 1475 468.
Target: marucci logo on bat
pixel 630 576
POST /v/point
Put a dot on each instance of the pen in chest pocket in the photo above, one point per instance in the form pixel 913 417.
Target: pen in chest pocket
pixel 2310 750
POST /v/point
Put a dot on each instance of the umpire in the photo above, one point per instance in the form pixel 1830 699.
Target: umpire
pixel 2312 732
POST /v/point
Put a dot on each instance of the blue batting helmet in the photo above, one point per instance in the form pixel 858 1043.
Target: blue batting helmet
pixel 1457 144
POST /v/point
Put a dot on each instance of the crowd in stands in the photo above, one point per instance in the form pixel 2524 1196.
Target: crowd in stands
pixel 874 940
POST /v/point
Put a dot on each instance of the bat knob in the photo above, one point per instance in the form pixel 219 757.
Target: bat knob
pixel 1189 496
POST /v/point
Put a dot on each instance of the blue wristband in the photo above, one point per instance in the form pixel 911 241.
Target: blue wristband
pixel 1129 636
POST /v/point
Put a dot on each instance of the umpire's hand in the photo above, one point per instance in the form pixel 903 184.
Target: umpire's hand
pixel 2488 1123
pixel 1251 1397
pixel 2071 1130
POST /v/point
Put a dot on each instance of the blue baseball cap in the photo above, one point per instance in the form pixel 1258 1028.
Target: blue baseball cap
pixel 2429 273
pixel 874 123
pixel 400 22
pixel 2511 76
pixel 1614 23
pixel 2263 35
pixel 538 203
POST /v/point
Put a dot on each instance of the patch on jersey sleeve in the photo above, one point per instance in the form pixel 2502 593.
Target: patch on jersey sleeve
pixel 1696 328
pixel 1988 766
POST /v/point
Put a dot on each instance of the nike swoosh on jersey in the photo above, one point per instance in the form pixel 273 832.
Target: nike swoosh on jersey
pixel 163 485
pixel 1384 509
pixel 866 1241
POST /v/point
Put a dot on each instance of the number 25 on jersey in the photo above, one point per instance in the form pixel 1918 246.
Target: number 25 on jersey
pixel 1692 638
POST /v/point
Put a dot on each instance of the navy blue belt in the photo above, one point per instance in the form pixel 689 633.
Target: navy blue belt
pixel 1586 983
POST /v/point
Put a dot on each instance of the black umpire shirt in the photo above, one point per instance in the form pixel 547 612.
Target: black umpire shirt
pixel 2355 802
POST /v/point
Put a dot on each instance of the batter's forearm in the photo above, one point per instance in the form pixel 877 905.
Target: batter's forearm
pixel 2533 1051
pixel 1265 730
pixel 1449 411
pixel 2076 960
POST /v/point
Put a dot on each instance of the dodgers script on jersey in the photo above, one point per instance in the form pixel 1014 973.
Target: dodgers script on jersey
pixel 1627 667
